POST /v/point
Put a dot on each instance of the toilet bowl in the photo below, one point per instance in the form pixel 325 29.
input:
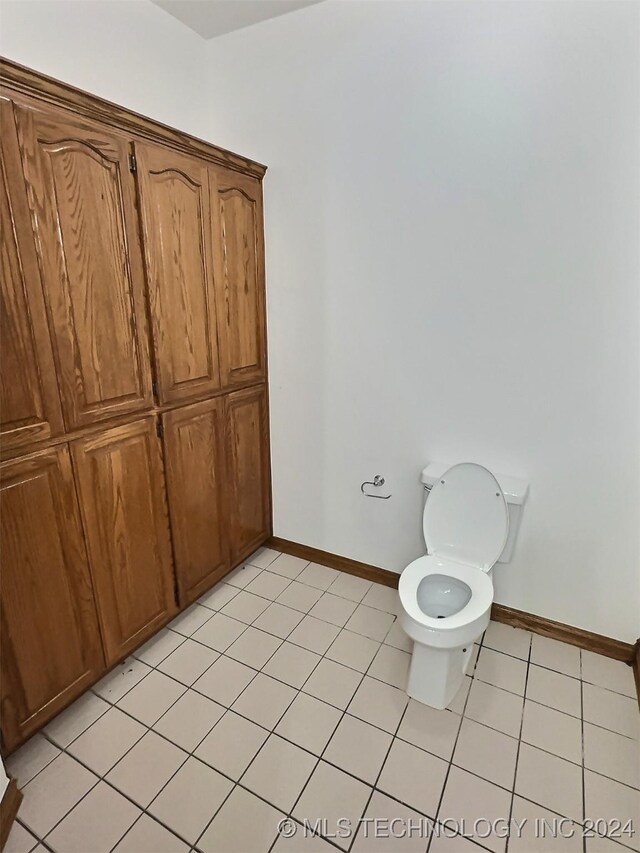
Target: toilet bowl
pixel 446 595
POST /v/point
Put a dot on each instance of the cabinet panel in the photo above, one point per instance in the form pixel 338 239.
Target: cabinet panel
pixel 121 487
pixel 249 471
pixel 194 457
pixel 29 399
pixel 51 648
pixel 239 250
pixel 174 202
pixel 82 202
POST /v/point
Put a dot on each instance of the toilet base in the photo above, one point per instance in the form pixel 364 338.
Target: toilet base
pixel 436 675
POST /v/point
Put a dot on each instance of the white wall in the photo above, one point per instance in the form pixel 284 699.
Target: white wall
pixel 129 52
pixel 452 258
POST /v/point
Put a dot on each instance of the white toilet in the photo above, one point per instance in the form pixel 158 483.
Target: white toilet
pixel 446 595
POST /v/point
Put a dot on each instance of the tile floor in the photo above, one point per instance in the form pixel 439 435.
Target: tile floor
pixel 280 695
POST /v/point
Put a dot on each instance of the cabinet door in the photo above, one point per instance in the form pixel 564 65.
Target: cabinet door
pixel 82 200
pixel 249 471
pixel 174 202
pixel 51 648
pixel 121 486
pixel 29 400
pixel 194 458
pixel 239 250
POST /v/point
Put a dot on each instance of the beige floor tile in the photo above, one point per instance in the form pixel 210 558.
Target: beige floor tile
pixel 606 799
pixel 458 703
pixel 97 823
pixel 219 632
pixel 189 720
pixel 511 641
pixel 299 596
pixel 391 826
pixel 189 801
pixel 332 608
pixel 320 577
pixel 242 576
pixel 608 673
pixel 245 607
pixel 254 647
pixel 391 665
pixel 549 781
pixel 225 680
pixel 612 755
pixel 106 741
pixel 20 840
pixel 555 655
pixel 445 842
pixel 486 753
pixel 379 704
pixel 55 790
pixel 216 598
pixel 159 647
pixel 148 836
pixel 611 710
pixel 333 683
pixel 468 798
pixel 384 598
pixel 397 638
pixel 263 557
pixel 278 620
pixel 188 622
pixel 597 844
pixel 433 730
pixel 288 566
pixel 502 671
pixel 231 745
pixel 265 700
pixel 244 824
pixel 370 622
pixel 350 586
pixel 149 699
pixel 554 689
pixel 279 772
pixel 268 585
pixel 302 842
pixel 494 707
pixel 188 662
pixel 121 679
pixel 314 634
pixel 353 650
pixel 292 664
pixel 30 759
pixel 414 777
pixel 553 731
pixel 331 794
pixel 309 723
pixel 358 748
pixel 543 831
pixel 146 768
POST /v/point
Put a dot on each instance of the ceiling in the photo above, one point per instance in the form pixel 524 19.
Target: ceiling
pixel 211 18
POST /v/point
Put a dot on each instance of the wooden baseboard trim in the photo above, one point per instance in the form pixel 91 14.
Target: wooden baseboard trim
pixel 499 612
pixel 8 810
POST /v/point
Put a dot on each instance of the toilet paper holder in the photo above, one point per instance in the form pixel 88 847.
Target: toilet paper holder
pixel 376 483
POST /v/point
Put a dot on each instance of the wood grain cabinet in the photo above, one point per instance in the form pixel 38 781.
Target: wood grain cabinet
pixel 121 487
pixel 50 648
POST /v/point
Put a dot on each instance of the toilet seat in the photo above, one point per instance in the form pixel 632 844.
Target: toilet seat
pixel 478 582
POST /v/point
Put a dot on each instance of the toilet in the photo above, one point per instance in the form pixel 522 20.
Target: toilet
pixel 470 521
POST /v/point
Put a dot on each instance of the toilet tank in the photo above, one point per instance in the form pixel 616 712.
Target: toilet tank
pixel 515 493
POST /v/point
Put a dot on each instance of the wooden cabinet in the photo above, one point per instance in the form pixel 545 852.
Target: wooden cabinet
pixel 50 648
pixel 239 250
pixel 121 487
pixel 176 227
pixel 196 484
pixel 249 471
pixel 29 400
pixel 81 197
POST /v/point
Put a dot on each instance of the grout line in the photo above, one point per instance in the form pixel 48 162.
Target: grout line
pixel 584 792
pixel 515 768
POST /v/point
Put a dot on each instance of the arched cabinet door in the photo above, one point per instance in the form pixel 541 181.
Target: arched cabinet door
pixel 174 204
pixel 239 252
pixel 81 197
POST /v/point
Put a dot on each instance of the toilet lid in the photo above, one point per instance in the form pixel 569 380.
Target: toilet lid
pixel 466 518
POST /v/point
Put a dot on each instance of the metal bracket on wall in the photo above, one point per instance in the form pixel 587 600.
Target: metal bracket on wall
pixel 376 483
